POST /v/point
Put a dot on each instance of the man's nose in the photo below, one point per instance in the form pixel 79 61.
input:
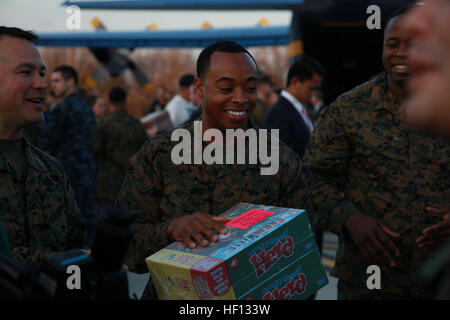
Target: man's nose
pixel 39 82
pixel 239 96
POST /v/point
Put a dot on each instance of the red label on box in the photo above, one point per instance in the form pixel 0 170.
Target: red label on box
pixel 248 219
pixel 210 278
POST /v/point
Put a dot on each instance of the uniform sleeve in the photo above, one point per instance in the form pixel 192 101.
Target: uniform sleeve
pixel 327 159
pixel 295 182
pixel 142 190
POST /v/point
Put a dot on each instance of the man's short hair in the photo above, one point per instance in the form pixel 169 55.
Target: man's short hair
pixel 204 58
pixel 18 33
pixel 186 81
pixel 68 73
pixel 304 68
pixel 117 95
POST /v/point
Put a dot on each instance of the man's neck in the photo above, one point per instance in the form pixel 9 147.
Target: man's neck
pixel 8 132
pixel 115 107
pixel 293 93
pixel 184 95
pixel 398 88
pixel 70 91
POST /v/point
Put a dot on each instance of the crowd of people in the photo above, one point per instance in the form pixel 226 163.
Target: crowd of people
pixel 372 167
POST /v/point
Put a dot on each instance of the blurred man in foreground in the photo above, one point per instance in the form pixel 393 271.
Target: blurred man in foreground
pixel 428 105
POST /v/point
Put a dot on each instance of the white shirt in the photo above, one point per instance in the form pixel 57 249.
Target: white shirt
pixel 179 110
pixel 300 109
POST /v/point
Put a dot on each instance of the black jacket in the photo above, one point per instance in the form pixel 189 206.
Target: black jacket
pixel 293 130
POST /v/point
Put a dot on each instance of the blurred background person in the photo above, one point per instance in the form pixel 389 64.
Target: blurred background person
pixel 162 97
pixel 265 89
pixel 289 113
pixel 67 135
pixel 181 107
pixel 118 136
pixel 196 101
pixel 98 105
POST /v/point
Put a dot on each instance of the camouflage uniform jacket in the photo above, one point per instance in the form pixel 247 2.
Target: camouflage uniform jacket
pixel 67 135
pixel 117 137
pixel 363 158
pixel 48 220
pixel 163 190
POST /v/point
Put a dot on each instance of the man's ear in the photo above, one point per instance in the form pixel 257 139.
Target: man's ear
pixel 198 86
pixel 71 82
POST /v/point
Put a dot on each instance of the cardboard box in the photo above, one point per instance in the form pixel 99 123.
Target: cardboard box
pixel 266 247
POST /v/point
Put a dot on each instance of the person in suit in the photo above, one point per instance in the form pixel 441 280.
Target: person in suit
pixel 289 113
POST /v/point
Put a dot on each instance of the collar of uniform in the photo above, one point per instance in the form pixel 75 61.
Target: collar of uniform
pixel 224 168
pixel 35 163
pixel 381 92
pixel 190 126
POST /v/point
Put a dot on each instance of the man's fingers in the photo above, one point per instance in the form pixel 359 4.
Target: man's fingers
pixel 383 246
pixel 425 241
pixel 221 220
pixel 211 222
pixel 204 229
pixel 389 232
pixel 387 242
pixel 438 227
pixel 444 211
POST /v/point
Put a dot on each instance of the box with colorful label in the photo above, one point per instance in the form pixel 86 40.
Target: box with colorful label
pixel 268 253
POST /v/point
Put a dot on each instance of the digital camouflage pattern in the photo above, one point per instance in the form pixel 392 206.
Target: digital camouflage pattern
pixel 363 158
pixel 163 191
pixel 67 135
pixel 48 219
pixel 117 137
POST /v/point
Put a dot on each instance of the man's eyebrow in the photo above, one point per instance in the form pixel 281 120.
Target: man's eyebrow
pixel 224 79
pixel 30 65
pixel 251 78
pixel 391 38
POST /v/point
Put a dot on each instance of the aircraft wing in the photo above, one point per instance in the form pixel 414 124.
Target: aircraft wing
pixel 249 37
pixel 187 5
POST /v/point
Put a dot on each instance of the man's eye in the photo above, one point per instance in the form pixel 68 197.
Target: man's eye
pixel 225 89
pixel 25 72
pixel 392 44
pixel 251 89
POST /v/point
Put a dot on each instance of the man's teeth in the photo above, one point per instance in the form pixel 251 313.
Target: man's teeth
pixel 401 66
pixel 37 101
pixel 237 113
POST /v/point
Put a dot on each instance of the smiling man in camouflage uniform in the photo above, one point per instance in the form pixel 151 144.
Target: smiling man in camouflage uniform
pixel 378 184
pixel 181 202
pixel 37 205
